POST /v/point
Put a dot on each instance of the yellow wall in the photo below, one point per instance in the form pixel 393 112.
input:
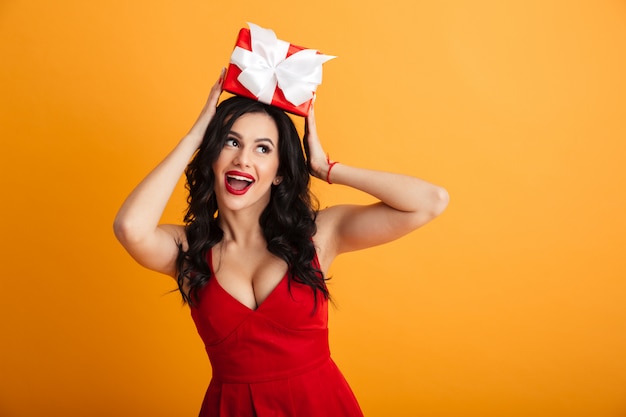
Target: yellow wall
pixel 511 304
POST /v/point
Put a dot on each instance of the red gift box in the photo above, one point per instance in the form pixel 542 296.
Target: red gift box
pixel 234 86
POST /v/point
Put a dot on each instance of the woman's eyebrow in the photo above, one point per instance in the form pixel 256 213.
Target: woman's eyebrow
pixel 264 140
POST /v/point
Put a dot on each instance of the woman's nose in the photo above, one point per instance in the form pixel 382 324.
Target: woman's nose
pixel 241 159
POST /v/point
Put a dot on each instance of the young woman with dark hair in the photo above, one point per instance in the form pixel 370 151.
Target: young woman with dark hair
pixel 252 255
pixel 287 222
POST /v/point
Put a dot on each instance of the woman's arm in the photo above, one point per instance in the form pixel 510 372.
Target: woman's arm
pixel 136 225
pixel 405 203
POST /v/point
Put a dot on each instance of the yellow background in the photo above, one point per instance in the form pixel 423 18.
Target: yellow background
pixel 513 303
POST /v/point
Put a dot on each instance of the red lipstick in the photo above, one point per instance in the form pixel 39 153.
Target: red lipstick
pixel 238 183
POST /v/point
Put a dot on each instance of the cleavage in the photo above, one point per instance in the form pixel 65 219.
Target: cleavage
pixel 249 278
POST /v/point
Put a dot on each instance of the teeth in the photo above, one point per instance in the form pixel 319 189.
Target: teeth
pixel 239 178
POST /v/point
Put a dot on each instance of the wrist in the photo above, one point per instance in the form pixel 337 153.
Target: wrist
pixel 329 167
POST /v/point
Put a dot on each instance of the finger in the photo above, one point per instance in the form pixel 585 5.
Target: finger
pixel 310 126
pixel 216 90
pixel 220 81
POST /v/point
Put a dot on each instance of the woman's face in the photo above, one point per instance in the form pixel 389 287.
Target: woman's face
pixel 248 164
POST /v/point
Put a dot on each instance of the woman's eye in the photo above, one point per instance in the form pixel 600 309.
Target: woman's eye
pixel 263 149
pixel 231 142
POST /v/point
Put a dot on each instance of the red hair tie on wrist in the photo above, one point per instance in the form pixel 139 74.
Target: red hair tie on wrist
pixel 330 166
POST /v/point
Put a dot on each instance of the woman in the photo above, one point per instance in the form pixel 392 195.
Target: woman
pixel 253 253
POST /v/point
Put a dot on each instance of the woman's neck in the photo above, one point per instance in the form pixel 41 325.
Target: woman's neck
pixel 241 228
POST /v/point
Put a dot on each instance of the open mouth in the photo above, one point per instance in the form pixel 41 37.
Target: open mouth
pixel 238 184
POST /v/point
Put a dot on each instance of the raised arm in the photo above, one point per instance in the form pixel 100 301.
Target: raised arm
pixel 405 203
pixel 136 225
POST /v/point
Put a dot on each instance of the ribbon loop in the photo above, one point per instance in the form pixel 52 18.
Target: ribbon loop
pixel 267 67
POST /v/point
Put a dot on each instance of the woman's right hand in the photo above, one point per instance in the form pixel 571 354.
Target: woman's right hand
pixel 208 111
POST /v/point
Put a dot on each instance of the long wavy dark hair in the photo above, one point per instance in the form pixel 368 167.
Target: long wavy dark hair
pixel 288 221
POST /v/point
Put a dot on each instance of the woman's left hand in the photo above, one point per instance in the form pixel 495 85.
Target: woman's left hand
pixel 317 159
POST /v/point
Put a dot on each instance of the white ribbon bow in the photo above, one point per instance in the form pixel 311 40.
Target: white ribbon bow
pixel 268 66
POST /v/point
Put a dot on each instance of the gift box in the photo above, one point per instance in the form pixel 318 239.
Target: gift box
pixel 273 71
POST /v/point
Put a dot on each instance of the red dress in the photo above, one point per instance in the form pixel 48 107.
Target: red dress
pixel 272 361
